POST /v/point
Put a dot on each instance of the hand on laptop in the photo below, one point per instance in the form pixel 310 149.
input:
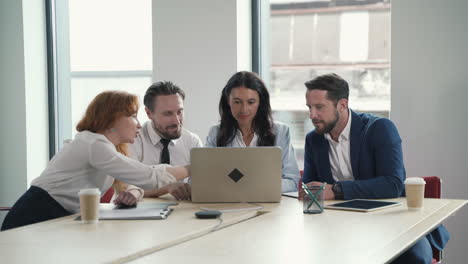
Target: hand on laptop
pixel 180 190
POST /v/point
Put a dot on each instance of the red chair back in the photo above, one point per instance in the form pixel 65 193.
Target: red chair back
pixel 106 198
pixel 299 185
pixel 433 189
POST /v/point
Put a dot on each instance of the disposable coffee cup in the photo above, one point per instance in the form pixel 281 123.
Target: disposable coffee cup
pixel 89 205
pixel 414 193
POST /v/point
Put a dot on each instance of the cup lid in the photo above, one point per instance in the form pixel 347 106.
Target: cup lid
pixel 415 180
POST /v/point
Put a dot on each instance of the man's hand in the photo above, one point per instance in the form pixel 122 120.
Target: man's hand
pixel 129 197
pixel 328 193
pixel 180 190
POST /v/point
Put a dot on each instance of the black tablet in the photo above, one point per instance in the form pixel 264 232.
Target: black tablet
pixel 362 205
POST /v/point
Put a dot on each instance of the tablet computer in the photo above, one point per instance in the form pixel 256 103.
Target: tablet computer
pixel 362 205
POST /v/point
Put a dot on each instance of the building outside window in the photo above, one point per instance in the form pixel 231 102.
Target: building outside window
pixel 309 38
pixel 107 45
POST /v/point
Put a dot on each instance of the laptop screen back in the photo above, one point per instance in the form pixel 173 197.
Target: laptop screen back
pixel 236 174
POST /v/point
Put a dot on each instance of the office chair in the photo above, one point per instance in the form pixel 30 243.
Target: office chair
pixel 106 198
pixel 299 185
pixel 433 189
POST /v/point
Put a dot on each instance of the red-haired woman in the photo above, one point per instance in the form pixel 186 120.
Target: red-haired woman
pixel 94 159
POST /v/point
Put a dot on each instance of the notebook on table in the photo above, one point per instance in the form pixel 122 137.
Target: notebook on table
pixel 222 175
pixel 135 214
pixel 143 211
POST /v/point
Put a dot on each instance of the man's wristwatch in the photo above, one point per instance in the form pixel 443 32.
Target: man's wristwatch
pixel 338 191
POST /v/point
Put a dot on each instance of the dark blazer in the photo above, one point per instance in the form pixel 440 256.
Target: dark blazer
pixel 376 161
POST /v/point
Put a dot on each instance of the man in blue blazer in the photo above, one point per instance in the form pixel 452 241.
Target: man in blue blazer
pixel 359 155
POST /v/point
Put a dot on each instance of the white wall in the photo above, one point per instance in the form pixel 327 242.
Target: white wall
pixel 12 103
pixel 23 96
pixel 196 45
pixel 429 93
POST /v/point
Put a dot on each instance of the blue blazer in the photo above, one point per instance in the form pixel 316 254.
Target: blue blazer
pixel 376 161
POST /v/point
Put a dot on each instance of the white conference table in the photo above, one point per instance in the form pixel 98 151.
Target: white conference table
pixel 279 233
pixel 286 235
pixel 65 240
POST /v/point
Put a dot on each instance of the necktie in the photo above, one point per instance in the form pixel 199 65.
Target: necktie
pixel 165 159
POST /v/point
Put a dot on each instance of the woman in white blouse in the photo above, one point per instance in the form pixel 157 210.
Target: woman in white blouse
pixel 246 121
pixel 93 159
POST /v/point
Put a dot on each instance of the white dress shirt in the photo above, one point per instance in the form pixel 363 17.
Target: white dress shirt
pixel 147 146
pixel 92 161
pixel 340 155
pixel 239 140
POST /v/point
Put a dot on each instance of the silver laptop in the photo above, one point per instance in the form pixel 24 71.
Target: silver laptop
pixel 236 174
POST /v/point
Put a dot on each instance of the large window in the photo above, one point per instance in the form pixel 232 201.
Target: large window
pixel 308 38
pixel 107 45
pixel 101 45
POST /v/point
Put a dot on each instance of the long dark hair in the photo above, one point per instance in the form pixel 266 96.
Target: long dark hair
pixel 262 123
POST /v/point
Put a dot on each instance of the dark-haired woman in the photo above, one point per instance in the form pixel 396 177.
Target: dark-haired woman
pixel 246 121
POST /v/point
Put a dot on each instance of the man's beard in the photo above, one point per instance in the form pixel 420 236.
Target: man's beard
pixel 328 126
pixel 169 135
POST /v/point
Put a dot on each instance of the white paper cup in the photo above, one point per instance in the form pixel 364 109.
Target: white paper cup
pixel 89 205
pixel 414 187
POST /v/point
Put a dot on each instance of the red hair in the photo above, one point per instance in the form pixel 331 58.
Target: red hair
pixel 101 114
pixel 105 109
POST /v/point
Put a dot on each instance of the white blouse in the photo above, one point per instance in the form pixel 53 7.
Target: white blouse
pixel 92 161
